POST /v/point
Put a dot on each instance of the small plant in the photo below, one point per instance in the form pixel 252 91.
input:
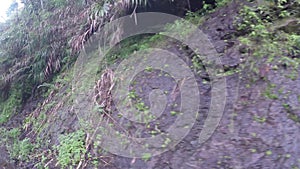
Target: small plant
pixel 132 95
pixel 252 150
pixel 221 3
pixel 166 142
pixel 20 149
pixel 287 107
pixel 148 69
pixel 288 155
pixel 197 64
pixel 173 113
pixel 71 148
pixel 146 156
pixel 141 106
pixel 269 92
pixel 9 135
pixel 250 18
pixel 269 152
pixel 194 17
pixel 260 119
pixel 294 117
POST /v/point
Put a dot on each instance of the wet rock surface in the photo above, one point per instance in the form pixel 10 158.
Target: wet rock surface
pixel 255 132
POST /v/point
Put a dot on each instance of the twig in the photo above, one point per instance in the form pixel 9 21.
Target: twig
pixel 48 163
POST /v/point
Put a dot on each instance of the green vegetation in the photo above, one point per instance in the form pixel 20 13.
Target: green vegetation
pixel 71 149
pixel 173 113
pixel 269 152
pixel 146 156
pixel 38 51
pixel 269 92
pixel 36 47
pixel 21 149
pixel 10 106
pixel 294 117
pixel 209 8
pixel 253 150
pixel 262 32
pixel 271 34
pixel 17 149
pixel 260 119
pixel 8 135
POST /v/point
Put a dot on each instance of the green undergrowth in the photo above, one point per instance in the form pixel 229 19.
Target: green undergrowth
pixel 19 93
pixel 270 38
pixel 17 149
pixel 209 8
pixel 269 34
pixel 11 105
pixel 23 151
pixel 270 45
pixel 71 149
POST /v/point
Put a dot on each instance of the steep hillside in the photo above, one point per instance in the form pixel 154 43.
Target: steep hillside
pixel 57 107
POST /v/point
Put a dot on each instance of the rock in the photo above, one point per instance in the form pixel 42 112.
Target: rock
pixel 220 46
